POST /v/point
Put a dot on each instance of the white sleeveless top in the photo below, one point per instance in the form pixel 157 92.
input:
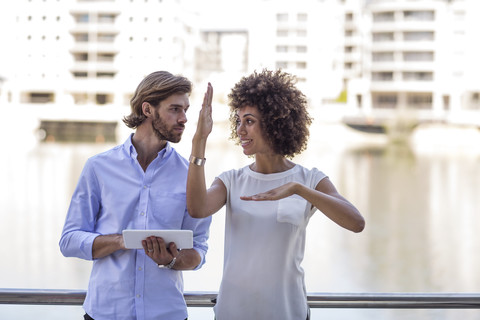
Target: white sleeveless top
pixel 264 247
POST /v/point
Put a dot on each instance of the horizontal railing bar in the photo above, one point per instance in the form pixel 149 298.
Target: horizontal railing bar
pixel 315 300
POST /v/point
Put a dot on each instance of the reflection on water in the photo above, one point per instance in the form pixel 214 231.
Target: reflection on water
pixel 420 207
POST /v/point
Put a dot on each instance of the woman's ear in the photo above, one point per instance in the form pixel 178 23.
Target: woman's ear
pixel 147 109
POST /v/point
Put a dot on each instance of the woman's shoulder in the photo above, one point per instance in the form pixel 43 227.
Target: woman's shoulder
pixel 233 173
pixel 310 173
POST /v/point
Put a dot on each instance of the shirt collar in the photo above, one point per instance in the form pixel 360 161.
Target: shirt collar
pixel 132 152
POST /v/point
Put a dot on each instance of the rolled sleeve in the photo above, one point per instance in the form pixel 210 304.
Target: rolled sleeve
pixel 79 230
pixel 200 228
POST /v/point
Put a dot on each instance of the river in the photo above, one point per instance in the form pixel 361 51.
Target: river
pixel 420 201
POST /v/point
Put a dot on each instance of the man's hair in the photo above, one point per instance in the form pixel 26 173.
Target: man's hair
pixel 285 119
pixel 153 89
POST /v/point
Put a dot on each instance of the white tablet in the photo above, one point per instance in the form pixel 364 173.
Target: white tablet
pixel 182 238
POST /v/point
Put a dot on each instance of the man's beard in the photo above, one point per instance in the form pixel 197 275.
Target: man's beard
pixel 162 132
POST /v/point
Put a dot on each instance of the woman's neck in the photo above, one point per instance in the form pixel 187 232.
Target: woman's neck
pixel 271 164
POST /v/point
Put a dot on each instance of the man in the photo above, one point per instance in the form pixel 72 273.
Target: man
pixel 138 185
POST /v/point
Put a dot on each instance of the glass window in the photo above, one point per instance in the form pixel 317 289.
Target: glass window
pixel 301 49
pixel 383 16
pixel 385 101
pixel 82 18
pixel 80 74
pixel 81 56
pixel 301 65
pixel 382 76
pixel 105 74
pixel 382 56
pixel 420 101
pixel 302 17
pixel 282 17
pixel 420 15
pixel 417 76
pixel 301 33
pixel 106 37
pixel 105 56
pixel 418 36
pixel 81 37
pixel 106 18
pixel 382 36
pixel 418 56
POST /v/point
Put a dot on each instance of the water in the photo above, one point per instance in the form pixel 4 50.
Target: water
pixel 420 202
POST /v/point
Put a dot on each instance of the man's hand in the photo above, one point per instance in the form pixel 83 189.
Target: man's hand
pixel 158 251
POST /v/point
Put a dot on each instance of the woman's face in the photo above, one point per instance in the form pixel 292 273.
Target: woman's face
pixel 250 131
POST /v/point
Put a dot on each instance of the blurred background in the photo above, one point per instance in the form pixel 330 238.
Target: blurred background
pixel 393 87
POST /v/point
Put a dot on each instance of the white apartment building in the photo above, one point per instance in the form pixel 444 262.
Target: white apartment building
pixel 419 55
pixel 90 51
pixel 301 37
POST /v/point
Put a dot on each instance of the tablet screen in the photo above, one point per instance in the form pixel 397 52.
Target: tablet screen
pixel 182 238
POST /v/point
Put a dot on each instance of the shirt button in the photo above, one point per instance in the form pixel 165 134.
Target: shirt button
pixel 142 213
pixel 138 296
pixel 140 268
pixel 144 187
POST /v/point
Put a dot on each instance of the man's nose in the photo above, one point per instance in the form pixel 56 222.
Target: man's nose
pixel 183 117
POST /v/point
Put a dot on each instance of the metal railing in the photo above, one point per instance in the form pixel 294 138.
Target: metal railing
pixel 315 300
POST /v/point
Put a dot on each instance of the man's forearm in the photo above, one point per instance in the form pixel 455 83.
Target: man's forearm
pixel 105 245
pixel 187 259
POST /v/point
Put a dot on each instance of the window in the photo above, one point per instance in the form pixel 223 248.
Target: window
pixel 106 37
pixel 301 33
pixel 106 18
pixel 382 36
pixel 420 101
pixel 282 33
pixel 81 56
pixel 418 76
pixel 383 16
pixel 382 56
pixel 80 74
pixel 282 17
pixel 41 97
pixel 302 17
pixel 301 49
pixel 282 48
pixel 82 18
pixel 81 37
pixel 418 36
pixel 102 98
pixel 105 57
pixel 105 74
pixel 301 65
pixel 281 64
pixel 385 101
pixel 382 76
pixel 418 56
pixel 420 15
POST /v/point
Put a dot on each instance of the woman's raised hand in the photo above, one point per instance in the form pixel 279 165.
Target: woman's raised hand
pixel 205 122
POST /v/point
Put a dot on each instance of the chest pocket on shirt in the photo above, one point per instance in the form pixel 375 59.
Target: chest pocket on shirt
pixel 168 210
pixel 291 210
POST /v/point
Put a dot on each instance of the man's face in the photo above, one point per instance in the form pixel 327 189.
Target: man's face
pixel 170 117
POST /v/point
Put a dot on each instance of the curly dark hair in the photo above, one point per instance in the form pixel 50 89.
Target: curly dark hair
pixel 285 119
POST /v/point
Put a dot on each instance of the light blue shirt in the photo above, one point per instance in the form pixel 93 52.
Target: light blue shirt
pixel 113 194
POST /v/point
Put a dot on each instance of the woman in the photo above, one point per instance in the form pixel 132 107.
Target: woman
pixel 268 203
